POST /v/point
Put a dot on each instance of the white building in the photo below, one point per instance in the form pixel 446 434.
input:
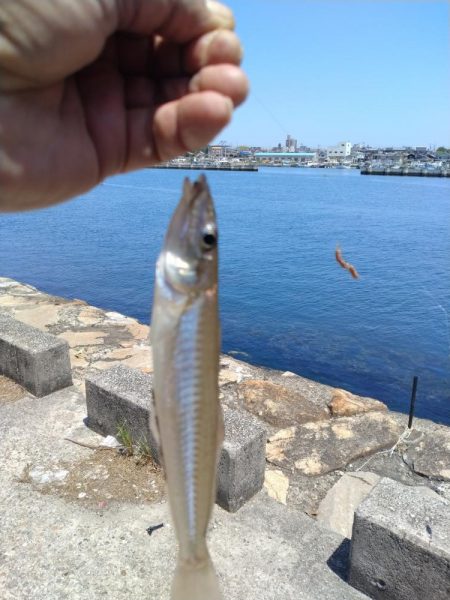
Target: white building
pixel 341 150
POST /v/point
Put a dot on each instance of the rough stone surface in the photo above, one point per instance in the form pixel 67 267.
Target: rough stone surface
pixel 276 484
pixel 316 395
pixel 314 392
pixel 278 405
pixel 401 543
pixel 235 370
pixel 95 335
pixel 10 390
pixel 120 396
pixel 336 511
pixel 83 338
pixel 240 474
pixel 125 340
pixel 430 455
pixel 38 361
pixel 318 448
pixel 57 546
pixel 41 316
pixel 344 404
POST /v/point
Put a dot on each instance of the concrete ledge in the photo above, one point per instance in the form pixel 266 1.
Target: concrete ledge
pixel 122 394
pixel 36 360
pixel 401 544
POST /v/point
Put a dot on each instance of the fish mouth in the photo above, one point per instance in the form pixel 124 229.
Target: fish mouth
pixel 195 203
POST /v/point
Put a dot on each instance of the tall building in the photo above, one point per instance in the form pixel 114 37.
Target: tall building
pixel 291 144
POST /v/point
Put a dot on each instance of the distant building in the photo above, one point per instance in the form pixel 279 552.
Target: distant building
pixel 218 151
pixel 341 150
pixel 300 157
pixel 291 144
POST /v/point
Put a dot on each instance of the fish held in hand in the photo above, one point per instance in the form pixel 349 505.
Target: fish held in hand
pixel 188 415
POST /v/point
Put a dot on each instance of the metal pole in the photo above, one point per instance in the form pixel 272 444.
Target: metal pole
pixel 413 401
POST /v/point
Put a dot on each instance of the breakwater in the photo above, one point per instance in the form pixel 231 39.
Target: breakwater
pixel 406 172
pixel 200 167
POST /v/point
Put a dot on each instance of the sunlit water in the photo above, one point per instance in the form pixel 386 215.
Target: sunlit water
pixel 285 302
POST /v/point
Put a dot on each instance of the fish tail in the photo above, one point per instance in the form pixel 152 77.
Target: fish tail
pixel 196 582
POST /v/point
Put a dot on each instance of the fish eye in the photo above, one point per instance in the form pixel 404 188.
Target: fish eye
pixel 209 237
pixel 209 241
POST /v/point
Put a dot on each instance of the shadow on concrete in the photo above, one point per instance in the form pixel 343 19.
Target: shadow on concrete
pixel 339 561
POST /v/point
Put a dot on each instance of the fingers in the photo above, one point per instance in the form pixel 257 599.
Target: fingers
pixel 228 80
pixel 189 123
pixel 179 21
pixel 202 44
pixel 192 18
pixel 43 42
pixel 214 47
pixel 221 16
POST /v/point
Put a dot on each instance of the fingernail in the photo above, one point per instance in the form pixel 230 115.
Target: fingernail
pixel 222 15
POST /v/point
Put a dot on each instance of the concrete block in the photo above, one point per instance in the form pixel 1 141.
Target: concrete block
pixel 120 395
pixel 123 394
pixel 38 361
pixel 401 544
pixel 242 462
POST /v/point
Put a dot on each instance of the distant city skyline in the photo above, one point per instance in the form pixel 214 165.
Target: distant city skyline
pixel 291 144
pixel 372 72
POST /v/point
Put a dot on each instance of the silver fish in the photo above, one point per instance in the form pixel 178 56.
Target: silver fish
pixel 189 421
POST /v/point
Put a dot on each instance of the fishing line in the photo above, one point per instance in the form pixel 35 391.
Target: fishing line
pixel 140 187
pixel 132 187
pixel 270 113
pixel 441 307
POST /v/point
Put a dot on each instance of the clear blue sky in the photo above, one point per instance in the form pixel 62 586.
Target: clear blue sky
pixel 373 71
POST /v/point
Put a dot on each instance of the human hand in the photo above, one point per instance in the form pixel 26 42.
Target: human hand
pixel 91 88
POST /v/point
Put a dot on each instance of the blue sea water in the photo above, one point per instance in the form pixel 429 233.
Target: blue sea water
pixel 285 302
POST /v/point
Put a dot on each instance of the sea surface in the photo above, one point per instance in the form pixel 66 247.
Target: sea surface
pixel 285 302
